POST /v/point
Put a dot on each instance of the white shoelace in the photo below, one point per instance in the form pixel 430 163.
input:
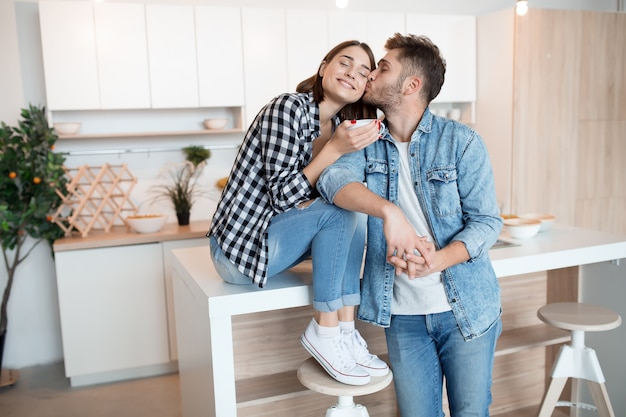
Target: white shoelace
pixel 357 346
pixel 343 355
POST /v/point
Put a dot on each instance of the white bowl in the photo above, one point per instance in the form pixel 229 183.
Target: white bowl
pixel 215 123
pixel 67 128
pixel 546 219
pixel 146 223
pixel 519 228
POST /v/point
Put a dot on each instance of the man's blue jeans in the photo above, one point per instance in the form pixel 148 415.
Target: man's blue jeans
pixel 333 237
pixel 425 348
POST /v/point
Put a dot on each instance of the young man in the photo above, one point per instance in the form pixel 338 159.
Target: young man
pixel 433 216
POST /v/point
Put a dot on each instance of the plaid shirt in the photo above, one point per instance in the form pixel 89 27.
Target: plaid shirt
pixel 266 179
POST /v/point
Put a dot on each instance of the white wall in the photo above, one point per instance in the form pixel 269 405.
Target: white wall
pixel 34 330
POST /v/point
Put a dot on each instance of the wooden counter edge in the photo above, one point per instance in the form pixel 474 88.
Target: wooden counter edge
pixel 122 236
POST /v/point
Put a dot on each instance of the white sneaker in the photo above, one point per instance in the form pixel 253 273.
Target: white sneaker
pixel 358 347
pixel 332 354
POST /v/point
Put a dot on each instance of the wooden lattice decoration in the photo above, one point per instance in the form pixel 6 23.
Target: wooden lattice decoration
pixel 95 198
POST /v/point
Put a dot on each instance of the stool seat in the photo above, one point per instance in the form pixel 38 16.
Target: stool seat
pixel 576 360
pixel 315 378
pixel 579 316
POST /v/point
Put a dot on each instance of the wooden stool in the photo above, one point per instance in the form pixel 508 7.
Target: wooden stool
pixel 577 360
pixel 312 376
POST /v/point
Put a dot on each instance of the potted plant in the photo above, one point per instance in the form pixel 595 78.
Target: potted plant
pixel 181 188
pixel 196 154
pixel 30 174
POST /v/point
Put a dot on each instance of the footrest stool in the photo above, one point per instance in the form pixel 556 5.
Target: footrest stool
pixel 312 376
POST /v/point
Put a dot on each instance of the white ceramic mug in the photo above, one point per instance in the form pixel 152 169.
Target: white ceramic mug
pixel 360 122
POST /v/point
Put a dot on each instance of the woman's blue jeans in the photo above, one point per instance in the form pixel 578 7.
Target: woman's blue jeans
pixel 332 236
pixel 425 348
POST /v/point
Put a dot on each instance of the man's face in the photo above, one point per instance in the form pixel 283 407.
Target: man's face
pixel 385 85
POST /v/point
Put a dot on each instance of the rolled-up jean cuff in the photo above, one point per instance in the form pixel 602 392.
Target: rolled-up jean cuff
pixel 334 305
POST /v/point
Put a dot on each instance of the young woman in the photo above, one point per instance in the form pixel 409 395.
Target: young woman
pixel 269 217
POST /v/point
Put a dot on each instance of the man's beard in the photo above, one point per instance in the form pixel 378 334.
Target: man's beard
pixel 386 98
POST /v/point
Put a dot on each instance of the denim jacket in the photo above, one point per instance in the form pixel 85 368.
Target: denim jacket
pixel 453 181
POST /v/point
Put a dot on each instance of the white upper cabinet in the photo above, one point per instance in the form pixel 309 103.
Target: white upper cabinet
pixel 346 25
pixel 172 56
pixel 122 55
pixel 220 58
pixel 456 38
pixel 380 27
pixel 305 48
pixel 265 57
pixel 69 55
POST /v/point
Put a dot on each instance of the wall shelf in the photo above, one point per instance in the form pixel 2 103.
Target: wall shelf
pixel 151 134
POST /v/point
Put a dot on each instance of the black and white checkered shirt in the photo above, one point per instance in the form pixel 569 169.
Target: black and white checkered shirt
pixel 266 179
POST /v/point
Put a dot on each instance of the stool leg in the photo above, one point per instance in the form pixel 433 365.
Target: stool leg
pixel 347 408
pixel 601 399
pixel 551 396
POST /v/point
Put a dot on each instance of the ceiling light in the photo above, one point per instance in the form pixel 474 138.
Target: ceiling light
pixel 521 7
pixel 342 4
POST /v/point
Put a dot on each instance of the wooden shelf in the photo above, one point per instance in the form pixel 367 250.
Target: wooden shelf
pixel 257 394
pixel 269 388
pixel 150 134
pixel 524 338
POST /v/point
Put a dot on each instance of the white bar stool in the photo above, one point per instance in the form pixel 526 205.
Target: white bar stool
pixel 577 360
pixel 312 376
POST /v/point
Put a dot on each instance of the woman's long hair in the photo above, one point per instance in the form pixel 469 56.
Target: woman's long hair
pixel 357 110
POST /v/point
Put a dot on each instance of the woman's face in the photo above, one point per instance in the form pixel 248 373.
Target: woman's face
pixel 344 77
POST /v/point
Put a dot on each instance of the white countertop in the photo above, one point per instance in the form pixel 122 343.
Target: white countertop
pixel 559 247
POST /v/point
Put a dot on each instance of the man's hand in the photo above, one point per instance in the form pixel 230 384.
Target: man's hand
pixel 402 242
pixel 415 264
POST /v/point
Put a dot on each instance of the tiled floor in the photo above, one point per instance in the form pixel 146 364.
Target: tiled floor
pixel 43 391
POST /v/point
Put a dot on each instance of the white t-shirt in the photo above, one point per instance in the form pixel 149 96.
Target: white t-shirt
pixel 424 295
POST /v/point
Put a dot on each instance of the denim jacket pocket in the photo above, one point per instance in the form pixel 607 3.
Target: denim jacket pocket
pixel 444 193
pixel 377 176
pixel 374 166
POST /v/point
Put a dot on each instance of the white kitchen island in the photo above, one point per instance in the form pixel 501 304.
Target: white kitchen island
pixel 230 365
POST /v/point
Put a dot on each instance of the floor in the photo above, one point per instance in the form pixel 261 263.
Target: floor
pixel 43 391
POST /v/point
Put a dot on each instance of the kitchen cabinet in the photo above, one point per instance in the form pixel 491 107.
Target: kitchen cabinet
pixel 113 309
pixel 305 50
pixel 123 74
pixel 115 302
pixel 95 56
pixel 456 38
pixel 229 60
pixel 220 59
pixel 172 56
pixel 69 55
pixel 264 57
pixel 103 71
pixel 373 28
pixel 344 25
pixel 380 27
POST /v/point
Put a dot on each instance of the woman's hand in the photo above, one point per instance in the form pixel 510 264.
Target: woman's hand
pixel 415 264
pixel 403 243
pixel 347 138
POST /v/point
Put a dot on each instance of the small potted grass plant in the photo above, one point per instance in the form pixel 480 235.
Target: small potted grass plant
pixel 181 187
